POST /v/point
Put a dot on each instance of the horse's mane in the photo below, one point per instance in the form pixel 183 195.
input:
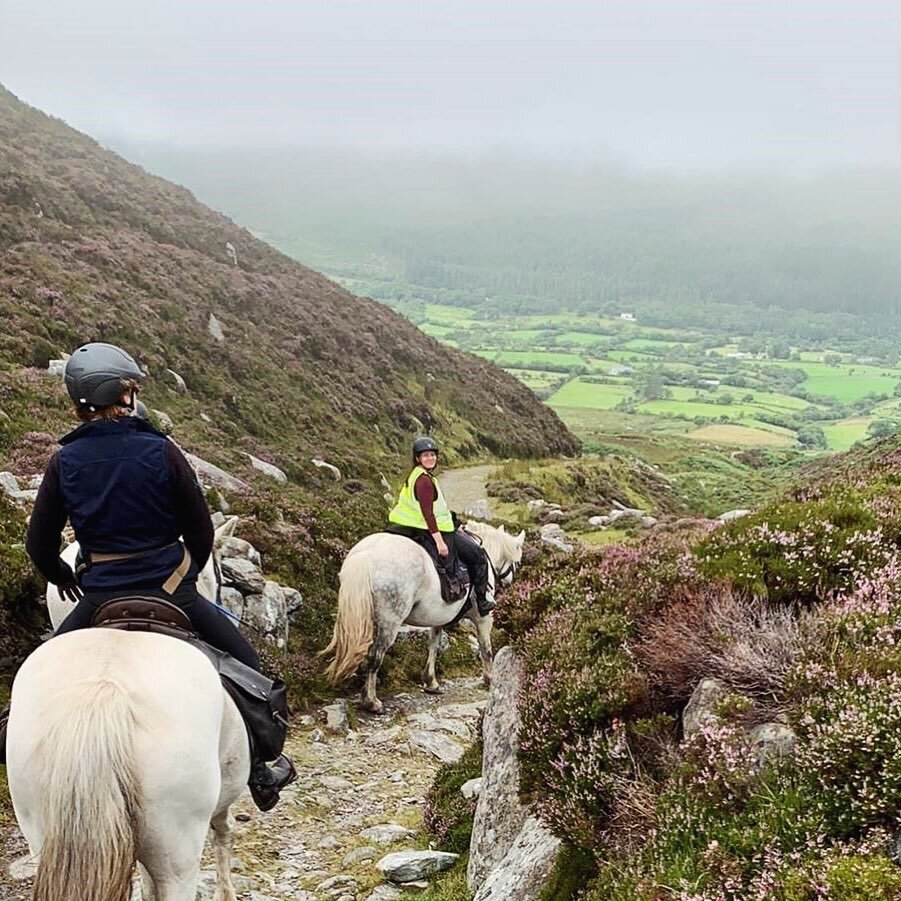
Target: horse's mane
pixel 498 544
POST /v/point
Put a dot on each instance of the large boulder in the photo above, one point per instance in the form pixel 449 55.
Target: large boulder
pixel 500 818
pixel 267 612
pixel 411 866
pixel 524 871
pixel 210 475
pixel 243 574
pixel 268 469
pixel 479 509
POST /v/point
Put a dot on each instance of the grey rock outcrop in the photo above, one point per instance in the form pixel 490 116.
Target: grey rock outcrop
pixel 472 788
pixel 411 866
pixel 214 327
pixel 210 475
pixel 57 368
pixel 552 534
pixel 336 718
pixel 499 844
pixel 243 575
pixel 386 834
pixel 180 386
pixel 269 469
pixel 165 421
pixel 523 872
pixel 771 741
pixel 730 515
pixel 439 746
pixel 238 548
pixel 268 613
pixel 701 707
pixel 328 467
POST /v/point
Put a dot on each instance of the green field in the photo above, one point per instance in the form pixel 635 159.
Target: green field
pixel 843 434
pixel 546 352
pixel 737 434
pixel 577 393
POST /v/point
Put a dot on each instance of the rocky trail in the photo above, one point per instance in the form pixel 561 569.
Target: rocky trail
pixel 359 797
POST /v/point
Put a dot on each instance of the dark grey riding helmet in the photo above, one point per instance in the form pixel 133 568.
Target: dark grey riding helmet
pixel 421 445
pixel 95 372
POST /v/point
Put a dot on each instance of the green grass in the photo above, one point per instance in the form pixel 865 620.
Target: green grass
pixel 649 344
pixel 841 435
pixel 577 393
pixel 529 359
pixel 441 314
pixel 728 433
pixel 846 383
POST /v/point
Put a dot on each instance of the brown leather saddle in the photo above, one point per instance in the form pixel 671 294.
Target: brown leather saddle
pixel 262 702
pixel 136 613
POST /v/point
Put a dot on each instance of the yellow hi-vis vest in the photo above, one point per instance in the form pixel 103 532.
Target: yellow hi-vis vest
pixel 407 512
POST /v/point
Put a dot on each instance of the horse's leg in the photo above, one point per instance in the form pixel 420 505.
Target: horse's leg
pixel 223 839
pixel 483 633
pixel 429 677
pixel 384 638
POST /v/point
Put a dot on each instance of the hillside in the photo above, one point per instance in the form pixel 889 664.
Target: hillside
pixel 283 362
pixel 712 714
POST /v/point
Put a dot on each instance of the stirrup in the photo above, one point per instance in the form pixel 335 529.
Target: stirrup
pixel 267 781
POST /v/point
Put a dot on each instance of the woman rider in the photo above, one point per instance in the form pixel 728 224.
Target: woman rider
pixel 129 492
pixel 422 513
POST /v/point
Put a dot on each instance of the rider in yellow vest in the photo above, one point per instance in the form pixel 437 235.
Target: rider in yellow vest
pixel 422 513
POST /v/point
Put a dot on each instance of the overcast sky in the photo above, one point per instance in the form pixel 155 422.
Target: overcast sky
pixel 693 83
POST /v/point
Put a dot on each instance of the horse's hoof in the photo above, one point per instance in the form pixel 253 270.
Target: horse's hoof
pixel 486 681
pixel 432 689
pixel 375 706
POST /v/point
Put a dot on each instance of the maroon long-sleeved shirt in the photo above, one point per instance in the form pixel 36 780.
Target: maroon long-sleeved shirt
pixel 425 492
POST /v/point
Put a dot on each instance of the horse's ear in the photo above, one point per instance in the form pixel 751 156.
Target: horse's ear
pixel 502 529
pixel 520 539
pixel 226 530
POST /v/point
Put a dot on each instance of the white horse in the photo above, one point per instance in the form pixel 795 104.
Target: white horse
pixel 123 747
pixel 387 581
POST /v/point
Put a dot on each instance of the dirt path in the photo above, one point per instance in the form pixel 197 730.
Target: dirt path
pixel 463 487
pixel 310 847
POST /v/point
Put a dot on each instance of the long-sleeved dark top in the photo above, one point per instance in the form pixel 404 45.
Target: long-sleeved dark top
pixel 424 491
pixel 49 517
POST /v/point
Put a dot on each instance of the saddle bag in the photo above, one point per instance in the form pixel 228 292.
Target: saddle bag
pixel 262 702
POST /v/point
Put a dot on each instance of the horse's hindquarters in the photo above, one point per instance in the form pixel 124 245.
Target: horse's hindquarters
pixel 157 712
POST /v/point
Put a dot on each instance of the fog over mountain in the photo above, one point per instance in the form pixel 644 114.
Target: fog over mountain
pixel 804 84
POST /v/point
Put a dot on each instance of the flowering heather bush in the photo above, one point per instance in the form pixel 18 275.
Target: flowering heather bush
pixel 849 752
pixel 798 553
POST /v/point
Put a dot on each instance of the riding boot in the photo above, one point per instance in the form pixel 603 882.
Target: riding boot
pixel 4 719
pixel 267 781
pixel 484 605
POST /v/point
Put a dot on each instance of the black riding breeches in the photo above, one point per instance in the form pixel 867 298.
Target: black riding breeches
pixel 210 623
pixel 475 558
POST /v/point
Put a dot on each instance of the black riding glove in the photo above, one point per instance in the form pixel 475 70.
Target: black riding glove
pixel 67 586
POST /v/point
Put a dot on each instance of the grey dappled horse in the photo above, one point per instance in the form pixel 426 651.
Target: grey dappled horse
pixel 388 581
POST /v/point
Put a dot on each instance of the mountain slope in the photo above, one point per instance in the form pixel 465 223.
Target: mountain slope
pixel 93 248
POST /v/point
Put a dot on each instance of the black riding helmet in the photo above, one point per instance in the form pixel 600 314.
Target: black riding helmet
pixel 95 372
pixel 421 445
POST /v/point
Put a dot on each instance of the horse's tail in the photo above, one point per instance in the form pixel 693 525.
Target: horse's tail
pixel 354 626
pixel 90 797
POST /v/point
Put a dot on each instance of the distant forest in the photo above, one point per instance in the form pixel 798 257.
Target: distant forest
pixel 814 257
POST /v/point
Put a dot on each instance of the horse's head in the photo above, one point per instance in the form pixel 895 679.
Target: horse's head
pixel 504 550
pixel 209 580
